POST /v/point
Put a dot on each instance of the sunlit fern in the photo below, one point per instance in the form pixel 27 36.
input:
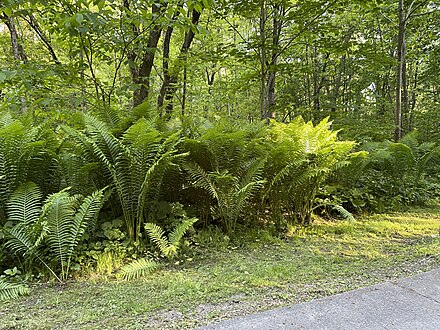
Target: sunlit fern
pixel 169 246
pixel 137 268
pixel 10 291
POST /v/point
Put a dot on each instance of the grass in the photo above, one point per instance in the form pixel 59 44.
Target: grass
pixel 225 277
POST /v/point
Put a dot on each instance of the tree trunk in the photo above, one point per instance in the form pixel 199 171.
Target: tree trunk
pixel 401 49
pixel 185 76
pixel 276 32
pixel 337 85
pixel 263 70
pixel 412 104
pixel 169 87
pixel 17 48
pixel 144 72
pixel 165 67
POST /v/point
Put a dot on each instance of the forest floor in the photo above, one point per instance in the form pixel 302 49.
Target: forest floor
pixel 223 278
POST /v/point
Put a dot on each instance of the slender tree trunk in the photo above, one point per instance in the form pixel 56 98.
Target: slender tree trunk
pixel 337 85
pixel 83 85
pixel 308 84
pixel 165 66
pixel 413 101
pixel 316 103
pixel 276 32
pixel 144 73
pixel 185 76
pixel 401 49
pixel 17 48
pixel 169 87
pixel 318 80
pixel 263 70
pixel 405 97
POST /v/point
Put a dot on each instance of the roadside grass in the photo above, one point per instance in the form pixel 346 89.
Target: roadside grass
pixel 222 277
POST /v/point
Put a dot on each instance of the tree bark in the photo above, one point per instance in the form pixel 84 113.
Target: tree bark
pixel 171 76
pixel 263 70
pixel 144 73
pixel 401 50
pixel 276 32
pixel 17 48
pixel 337 85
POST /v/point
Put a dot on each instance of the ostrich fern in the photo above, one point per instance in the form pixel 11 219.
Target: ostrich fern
pixel 10 291
pixel 168 246
pixel 27 153
pixel 135 163
pixel 302 157
pixel 230 192
pixel 60 223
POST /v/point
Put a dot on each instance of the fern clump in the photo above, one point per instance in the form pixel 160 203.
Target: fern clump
pixel 169 246
pixel 135 164
pixel 227 164
pixel 58 224
pixel 27 153
pixel 302 157
pixel 394 175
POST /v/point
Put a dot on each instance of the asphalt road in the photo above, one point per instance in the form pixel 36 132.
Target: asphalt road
pixel 408 304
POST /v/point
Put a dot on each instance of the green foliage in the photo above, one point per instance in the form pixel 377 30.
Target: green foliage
pixel 67 218
pixel 169 246
pixel 89 68
pixel 394 175
pixel 302 157
pixel 135 163
pixel 26 154
pixel 137 268
pixel 230 192
pixel 59 223
pixel 10 291
pixel 227 164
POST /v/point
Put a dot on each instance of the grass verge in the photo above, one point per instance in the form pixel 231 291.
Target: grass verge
pixel 223 278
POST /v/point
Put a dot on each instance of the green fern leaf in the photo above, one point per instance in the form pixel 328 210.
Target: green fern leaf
pixel 176 235
pixel 59 210
pixel 137 268
pixel 157 235
pixel 24 206
pixel 201 179
pixel 10 291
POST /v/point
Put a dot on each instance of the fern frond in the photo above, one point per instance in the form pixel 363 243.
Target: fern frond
pixel 87 212
pixel 201 179
pixel 137 268
pixel 176 235
pixel 59 213
pixel 9 291
pixel 24 206
pixel 104 139
pixel 157 235
pixel 253 170
pixel 21 241
pixel 344 213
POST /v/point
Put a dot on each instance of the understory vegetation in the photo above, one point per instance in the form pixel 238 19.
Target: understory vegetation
pixel 119 198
